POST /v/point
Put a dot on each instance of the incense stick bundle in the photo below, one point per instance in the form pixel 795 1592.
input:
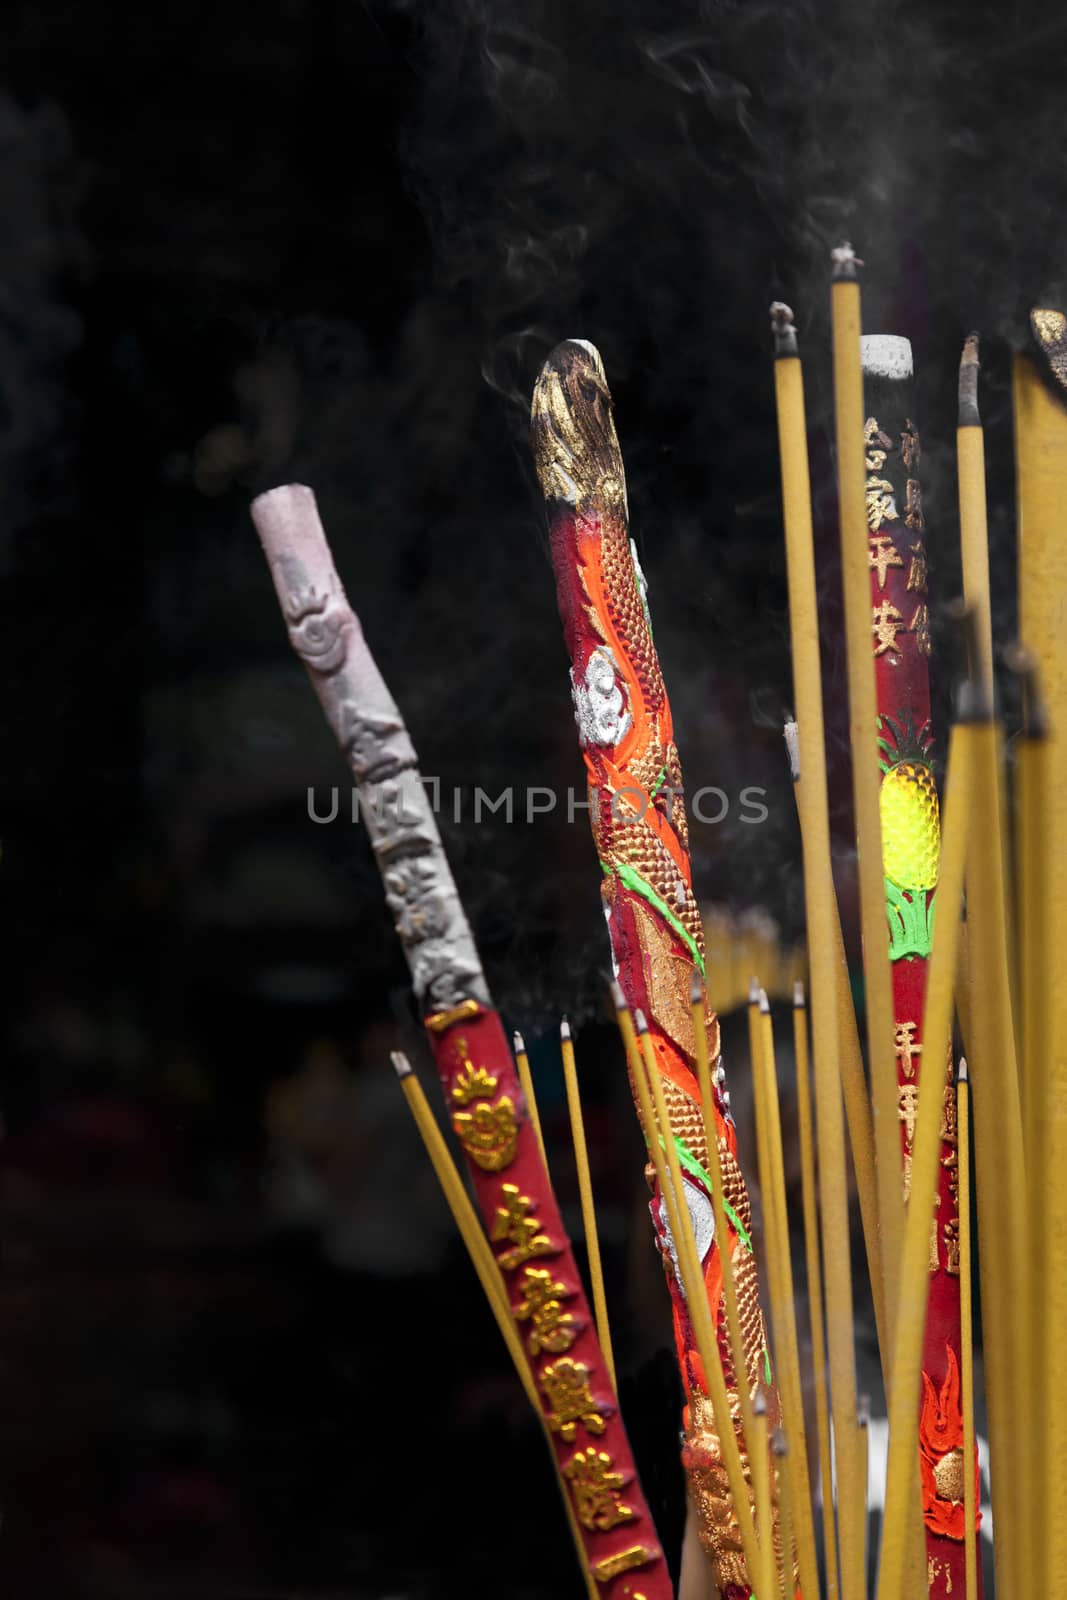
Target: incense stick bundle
pixel 478 1075
pixel 640 829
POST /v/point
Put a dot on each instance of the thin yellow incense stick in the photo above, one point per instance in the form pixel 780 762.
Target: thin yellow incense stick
pixel 760 1460
pixel 484 1263
pixel 1000 1173
pixel 1041 468
pixel 853 1079
pixel 522 1062
pixel 783 1301
pixel 863 725
pixel 645 1074
pixel 910 1322
pixel 585 1191
pixel 815 1299
pixel 974 535
pixel 786 1520
pixel 863 1442
pixel 970 1532
pixel 711 1142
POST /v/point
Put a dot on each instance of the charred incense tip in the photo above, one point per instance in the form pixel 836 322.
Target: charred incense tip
pixel 791 735
pixel 863 1411
pixel 972 702
pixel 618 999
pixel 785 334
pixel 969 415
pixel 779 1443
pixel 799 998
pixel 1049 329
pixel 564 1029
pixel 753 991
pixel 518 1043
pixel 764 1003
pixel 696 987
pixel 962 1075
pixel 1022 663
pixel 572 431
pixel 640 1021
pixel 845 261
pixel 401 1065
pixel 759 1404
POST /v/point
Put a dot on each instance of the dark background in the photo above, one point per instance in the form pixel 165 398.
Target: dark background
pixel 240 1353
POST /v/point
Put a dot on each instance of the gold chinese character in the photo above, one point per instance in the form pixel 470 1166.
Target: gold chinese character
pixel 917 570
pixel 881 505
pixel 952 1248
pixel 882 554
pixel 878 445
pixel 595 1485
pixel 551 1328
pixel 471 1081
pixel 566 1387
pixel 886 623
pixel 907 1050
pixel 907 1112
pixel 910 448
pixel 949 1131
pixel 625 1561
pixel 920 626
pixel 934 1263
pixel 907 1178
pixel 913 506
pixel 514 1223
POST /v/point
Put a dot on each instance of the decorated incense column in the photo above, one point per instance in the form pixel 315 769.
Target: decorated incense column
pixel 900 633
pixel 622 1557
pixel 638 818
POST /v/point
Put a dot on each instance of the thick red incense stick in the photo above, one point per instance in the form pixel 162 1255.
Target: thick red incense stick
pixel 478 1076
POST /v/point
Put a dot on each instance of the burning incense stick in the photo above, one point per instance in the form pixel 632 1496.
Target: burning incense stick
pixel 545 1293
pixel 639 824
pixel 585 1192
pixel 522 1065
pixel 863 717
pixel 974 535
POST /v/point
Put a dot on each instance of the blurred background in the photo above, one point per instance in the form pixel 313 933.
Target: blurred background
pixel 241 1353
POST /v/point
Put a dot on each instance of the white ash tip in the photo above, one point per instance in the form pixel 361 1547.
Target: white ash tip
pixel 764 1003
pixel 696 987
pixel 962 1074
pixel 640 1021
pixel 753 991
pixel 564 1029
pixel 401 1065
pixel 791 734
pixel 885 355
pixel 799 998
pixel 618 999
pixel 518 1043
pixel 759 1404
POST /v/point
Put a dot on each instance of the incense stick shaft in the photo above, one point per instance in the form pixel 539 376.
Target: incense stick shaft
pixel 529 1094
pixel 970 1533
pixel 974 542
pixel 585 1191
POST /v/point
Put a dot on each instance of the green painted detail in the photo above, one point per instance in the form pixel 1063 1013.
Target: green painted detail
pixel 656 786
pixel 767 1365
pixel 634 881
pixel 911 921
pixel 689 1160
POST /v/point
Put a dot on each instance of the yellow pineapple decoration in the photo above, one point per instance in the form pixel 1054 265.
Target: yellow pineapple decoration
pixel 911 835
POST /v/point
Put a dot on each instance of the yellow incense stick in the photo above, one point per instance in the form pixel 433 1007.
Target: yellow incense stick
pixel 645 1077
pixel 585 1191
pixel 711 1143
pixel 522 1062
pixel 853 1079
pixel 863 1441
pixel 1041 469
pixel 484 1263
pixel 815 1299
pixel 783 1301
pixel 910 1322
pixel 974 536
pixel 760 1460
pixel 970 1533
pixel 866 778
pixel 786 1520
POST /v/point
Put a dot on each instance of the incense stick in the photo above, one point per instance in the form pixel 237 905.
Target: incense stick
pixel 970 1511
pixel 783 1299
pixel 974 536
pixel 815 1290
pixel 759 1452
pixel 855 572
pixel 585 1191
